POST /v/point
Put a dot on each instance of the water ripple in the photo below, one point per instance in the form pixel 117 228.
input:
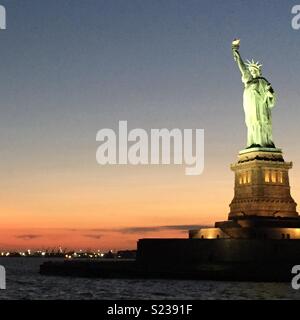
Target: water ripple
pixel 24 282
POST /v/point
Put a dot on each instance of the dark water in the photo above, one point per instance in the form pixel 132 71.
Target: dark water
pixel 24 282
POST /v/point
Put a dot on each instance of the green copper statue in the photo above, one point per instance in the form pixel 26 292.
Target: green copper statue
pixel 258 100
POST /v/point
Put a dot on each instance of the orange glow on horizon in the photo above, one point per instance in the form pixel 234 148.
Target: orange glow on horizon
pixel 49 205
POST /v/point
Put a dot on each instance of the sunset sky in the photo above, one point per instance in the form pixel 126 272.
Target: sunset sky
pixel 69 68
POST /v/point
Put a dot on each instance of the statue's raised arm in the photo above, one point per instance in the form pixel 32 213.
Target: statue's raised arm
pixel 246 75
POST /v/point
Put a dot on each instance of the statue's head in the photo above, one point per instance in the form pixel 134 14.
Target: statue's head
pixel 254 68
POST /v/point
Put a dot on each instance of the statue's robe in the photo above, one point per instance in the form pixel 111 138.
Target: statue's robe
pixel 258 100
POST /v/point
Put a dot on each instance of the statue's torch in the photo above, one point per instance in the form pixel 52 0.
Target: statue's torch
pixel 236 44
pixel 235 47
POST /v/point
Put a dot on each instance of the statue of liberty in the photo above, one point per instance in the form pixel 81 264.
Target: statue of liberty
pixel 258 100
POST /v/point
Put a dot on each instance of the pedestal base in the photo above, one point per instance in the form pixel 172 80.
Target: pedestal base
pixel 251 227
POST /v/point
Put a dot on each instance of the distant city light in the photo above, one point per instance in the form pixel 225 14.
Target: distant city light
pixel 59 253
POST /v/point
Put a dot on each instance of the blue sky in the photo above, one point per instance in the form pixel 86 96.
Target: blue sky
pixel 70 67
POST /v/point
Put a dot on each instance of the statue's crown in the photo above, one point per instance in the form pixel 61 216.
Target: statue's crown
pixel 253 64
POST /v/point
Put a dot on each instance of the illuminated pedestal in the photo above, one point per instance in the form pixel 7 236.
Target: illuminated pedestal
pixel 262 206
pixel 262 185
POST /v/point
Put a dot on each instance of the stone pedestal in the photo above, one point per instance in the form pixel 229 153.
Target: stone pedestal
pixel 262 206
pixel 262 185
